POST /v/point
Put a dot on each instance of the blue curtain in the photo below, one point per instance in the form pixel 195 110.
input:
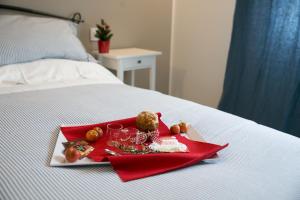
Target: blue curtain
pixel 262 80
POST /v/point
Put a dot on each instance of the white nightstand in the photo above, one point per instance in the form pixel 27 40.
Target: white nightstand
pixel 130 59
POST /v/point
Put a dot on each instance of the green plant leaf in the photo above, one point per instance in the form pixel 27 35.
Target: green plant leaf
pixel 103 37
pixel 103 22
pixel 104 31
pixel 109 36
pixel 98 26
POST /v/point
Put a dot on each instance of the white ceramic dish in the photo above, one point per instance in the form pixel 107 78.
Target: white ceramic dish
pixel 58 157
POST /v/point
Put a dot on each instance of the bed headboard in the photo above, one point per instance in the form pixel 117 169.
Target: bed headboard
pixel 76 18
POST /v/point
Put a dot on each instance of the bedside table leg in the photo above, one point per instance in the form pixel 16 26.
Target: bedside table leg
pixel 132 77
pixel 120 75
pixel 152 77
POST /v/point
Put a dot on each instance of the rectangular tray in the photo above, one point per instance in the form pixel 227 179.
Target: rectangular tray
pixel 58 157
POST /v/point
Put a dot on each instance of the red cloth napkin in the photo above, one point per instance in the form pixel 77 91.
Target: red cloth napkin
pixel 130 167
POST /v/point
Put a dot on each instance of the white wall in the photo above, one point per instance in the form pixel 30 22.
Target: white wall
pixel 135 23
pixel 200 38
pixel 200 43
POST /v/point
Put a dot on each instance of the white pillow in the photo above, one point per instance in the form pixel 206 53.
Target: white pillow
pixel 26 38
pixel 11 75
pixel 54 70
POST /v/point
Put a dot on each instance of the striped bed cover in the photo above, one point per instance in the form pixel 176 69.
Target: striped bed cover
pixel 261 163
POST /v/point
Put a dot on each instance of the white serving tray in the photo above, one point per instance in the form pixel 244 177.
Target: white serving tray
pixel 58 157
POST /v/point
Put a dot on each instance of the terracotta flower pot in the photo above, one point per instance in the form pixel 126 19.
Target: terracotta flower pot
pixel 103 46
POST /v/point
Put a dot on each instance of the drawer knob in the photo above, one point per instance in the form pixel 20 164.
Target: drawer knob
pixel 139 61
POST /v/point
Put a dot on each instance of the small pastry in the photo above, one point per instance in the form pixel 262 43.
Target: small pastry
pixel 94 135
pixel 81 146
pixel 183 127
pixel 147 121
pixel 99 130
pixel 72 154
pixel 175 129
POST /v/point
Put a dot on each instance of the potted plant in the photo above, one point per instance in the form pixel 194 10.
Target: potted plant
pixel 104 35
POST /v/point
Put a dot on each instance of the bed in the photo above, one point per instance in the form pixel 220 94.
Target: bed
pixel 40 94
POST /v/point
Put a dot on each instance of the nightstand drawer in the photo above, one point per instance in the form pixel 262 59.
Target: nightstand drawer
pixel 137 62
